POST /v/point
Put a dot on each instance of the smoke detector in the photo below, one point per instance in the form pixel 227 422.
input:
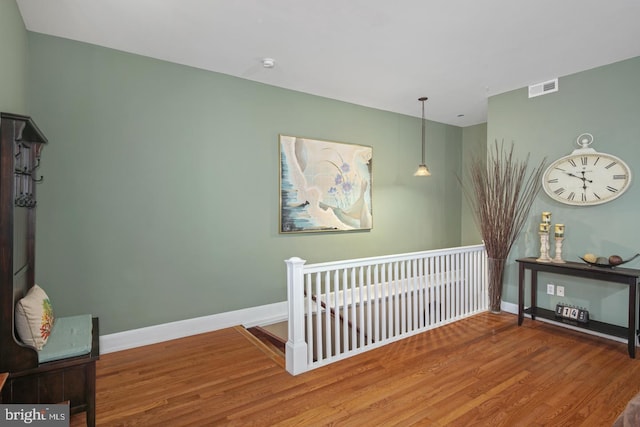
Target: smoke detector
pixel 268 62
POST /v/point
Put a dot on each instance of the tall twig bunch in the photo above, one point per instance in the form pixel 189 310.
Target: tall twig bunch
pixel 500 195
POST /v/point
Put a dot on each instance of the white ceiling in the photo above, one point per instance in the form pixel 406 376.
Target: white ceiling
pixel 378 53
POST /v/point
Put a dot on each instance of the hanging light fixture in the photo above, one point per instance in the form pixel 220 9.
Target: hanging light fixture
pixel 422 168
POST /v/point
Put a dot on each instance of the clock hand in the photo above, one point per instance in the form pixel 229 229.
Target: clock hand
pixel 580 177
pixel 584 182
pixel 585 179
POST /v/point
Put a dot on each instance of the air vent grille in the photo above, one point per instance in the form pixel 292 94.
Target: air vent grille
pixel 543 88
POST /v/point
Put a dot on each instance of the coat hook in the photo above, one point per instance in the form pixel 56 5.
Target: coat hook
pixel 37 165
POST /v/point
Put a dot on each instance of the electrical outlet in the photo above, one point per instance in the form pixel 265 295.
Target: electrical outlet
pixel 550 289
pixel 560 291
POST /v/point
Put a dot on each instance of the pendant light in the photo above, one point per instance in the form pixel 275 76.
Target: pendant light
pixel 422 168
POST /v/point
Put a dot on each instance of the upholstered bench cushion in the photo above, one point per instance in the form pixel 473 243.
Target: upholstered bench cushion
pixel 70 336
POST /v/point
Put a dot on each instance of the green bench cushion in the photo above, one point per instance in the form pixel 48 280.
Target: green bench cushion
pixel 70 337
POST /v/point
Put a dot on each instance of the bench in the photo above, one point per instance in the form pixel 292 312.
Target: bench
pixel 65 368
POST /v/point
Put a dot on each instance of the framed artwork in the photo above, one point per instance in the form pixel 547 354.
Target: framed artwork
pixel 324 186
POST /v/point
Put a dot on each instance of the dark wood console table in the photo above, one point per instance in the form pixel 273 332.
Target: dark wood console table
pixel 625 276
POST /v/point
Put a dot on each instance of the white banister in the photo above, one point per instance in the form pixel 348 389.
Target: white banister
pixel 342 308
pixel 296 348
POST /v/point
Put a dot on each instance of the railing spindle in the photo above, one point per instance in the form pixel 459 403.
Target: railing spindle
pixel 369 302
pixel 376 304
pixel 361 309
pixel 384 283
pixel 354 304
pixel 319 311
pixel 404 296
pixel 344 319
pixel 309 317
pixel 335 318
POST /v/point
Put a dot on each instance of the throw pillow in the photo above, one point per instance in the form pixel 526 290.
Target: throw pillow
pixel 34 318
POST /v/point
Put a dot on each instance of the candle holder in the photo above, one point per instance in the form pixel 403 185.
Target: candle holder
pixel 558 258
pixel 544 247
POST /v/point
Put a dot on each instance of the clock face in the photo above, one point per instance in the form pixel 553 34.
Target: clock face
pixel 586 179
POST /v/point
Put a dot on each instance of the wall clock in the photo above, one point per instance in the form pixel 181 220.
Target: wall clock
pixel 586 177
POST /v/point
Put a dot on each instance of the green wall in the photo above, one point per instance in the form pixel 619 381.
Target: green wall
pixel 13 51
pixel 160 198
pixel 474 145
pixel 605 102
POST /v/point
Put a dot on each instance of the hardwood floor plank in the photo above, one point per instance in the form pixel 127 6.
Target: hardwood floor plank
pixel 484 370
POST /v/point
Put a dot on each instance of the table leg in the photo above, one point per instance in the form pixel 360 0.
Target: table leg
pixel 632 319
pixel 534 293
pixel 521 274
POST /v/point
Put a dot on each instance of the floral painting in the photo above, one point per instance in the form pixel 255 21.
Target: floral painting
pixel 324 186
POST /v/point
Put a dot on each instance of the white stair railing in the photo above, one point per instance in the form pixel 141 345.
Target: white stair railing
pixel 342 308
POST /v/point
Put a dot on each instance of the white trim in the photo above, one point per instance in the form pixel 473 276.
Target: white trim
pixel 261 315
pixel 509 307
pixel 248 317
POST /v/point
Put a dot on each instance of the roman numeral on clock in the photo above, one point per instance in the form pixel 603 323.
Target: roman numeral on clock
pixel 610 165
pixel 583 160
pixel 553 181
pixel 610 188
pixel 619 176
pixel 559 191
pixel 572 162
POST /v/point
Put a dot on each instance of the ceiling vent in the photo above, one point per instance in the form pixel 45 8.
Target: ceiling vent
pixel 543 88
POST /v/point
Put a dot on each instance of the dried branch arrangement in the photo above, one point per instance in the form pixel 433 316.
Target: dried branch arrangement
pixel 500 194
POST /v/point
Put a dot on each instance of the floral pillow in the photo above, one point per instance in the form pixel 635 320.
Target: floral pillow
pixel 34 318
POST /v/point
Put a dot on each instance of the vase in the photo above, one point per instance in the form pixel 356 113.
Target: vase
pixel 496 274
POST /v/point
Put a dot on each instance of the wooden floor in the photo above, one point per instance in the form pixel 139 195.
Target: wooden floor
pixel 483 371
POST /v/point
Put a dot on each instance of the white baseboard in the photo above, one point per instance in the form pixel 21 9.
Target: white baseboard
pixel 261 315
pixel 509 307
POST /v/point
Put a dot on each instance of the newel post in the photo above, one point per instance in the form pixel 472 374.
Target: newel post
pixel 296 348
